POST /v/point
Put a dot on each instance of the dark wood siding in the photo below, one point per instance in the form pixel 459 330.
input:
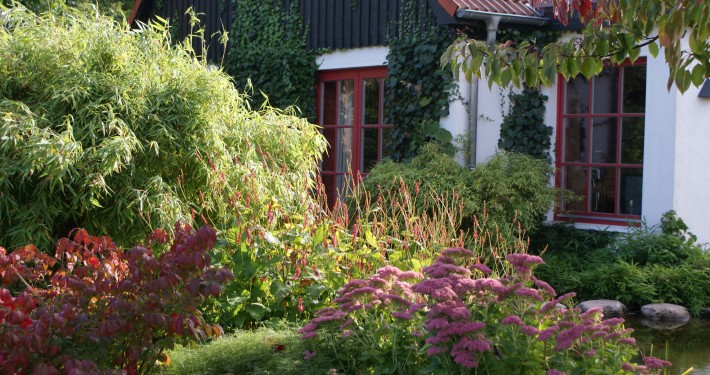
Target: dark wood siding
pixel 332 24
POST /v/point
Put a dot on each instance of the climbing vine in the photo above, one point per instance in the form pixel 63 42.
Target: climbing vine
pixel 269 49
pixel 523 129
pixel 418 91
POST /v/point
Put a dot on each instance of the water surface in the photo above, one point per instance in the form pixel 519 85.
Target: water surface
pixel 687 346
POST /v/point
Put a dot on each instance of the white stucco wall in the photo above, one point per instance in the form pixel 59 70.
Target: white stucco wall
pixel 353 58
pixel 691 195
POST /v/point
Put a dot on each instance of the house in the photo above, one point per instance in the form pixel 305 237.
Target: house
pixel 631 148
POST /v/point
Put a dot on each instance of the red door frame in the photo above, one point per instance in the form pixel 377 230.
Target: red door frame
pixel 357 75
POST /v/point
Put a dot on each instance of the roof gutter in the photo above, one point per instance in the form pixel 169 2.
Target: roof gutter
pixel 504 18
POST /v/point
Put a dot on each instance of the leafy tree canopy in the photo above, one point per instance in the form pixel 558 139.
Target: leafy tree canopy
pixel 613 32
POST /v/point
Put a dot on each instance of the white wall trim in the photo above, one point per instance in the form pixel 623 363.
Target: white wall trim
pixel 353 58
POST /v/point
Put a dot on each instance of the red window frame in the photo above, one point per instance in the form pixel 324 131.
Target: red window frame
pixel 587 215
pixel 358 76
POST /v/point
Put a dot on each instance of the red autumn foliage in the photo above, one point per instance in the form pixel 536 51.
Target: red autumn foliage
pixel 94 308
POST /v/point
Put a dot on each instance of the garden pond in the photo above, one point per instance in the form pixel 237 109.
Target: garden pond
pixel 686 346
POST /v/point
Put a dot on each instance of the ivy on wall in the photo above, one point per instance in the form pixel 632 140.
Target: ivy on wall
pixel 418 90
pixel 523 128
pixel 269 48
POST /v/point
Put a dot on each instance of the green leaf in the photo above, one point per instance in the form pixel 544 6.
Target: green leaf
pixel 424 101
pixel 589 67
pixel 96 203
pixel 257 311
pixel 653 49
pixel 697 75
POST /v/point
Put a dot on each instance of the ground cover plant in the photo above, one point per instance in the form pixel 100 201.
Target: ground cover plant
pixel 118 132
pixel 646 265
pixel 93 307
pixel 461 318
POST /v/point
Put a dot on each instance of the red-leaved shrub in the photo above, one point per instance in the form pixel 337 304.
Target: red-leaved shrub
pixel 93 307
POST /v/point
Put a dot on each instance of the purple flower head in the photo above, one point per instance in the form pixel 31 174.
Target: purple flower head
pixel 346 324
pixel 347 333
pixel 488 284
pixel 590 353
pixel 627 340
pixel 457 252
pixel 440 270
pixel 473 345
pixel 566 338
pixel 512 319
pixel 545 287
pixel 626 366
pixel 565 297
pixel 529 292
pixel 443 294
pixel 429 285
pixel 523 260
pixel 308 328
pixel 454 310
pixel 546 334
pixel 436 324
pixel 529 330
pixel 655 363
pixel 387 271
pixel 555 372
pixel 481 267
pixel 612 322
pixel 410 276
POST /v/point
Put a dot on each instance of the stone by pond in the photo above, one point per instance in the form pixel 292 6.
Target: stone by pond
pixel 610 308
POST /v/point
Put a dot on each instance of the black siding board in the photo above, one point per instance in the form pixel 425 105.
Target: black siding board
pixel 321 21
pixel 330 23
pixel 346 36
pixel 382 22
pixel 338 19
pixel 365 23
pixel 356 25
pixel 374 23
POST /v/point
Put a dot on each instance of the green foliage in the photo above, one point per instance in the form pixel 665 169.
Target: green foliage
pixel 118 132
pixel 637 268
pixel 523 129
pixel 613 32
pixel 287 264
pixel 510 187
pixel 269 50
pixel 276 350
pixel 417 92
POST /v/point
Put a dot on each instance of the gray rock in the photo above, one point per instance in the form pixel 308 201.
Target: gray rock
pixel 610 308
pixel 705 313
pixel 665 311
pixel 663 324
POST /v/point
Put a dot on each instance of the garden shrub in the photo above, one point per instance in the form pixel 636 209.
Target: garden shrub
pixel 510 187
pixel 117 132
pixel 461 319
pixel 639 267
pixel 93 307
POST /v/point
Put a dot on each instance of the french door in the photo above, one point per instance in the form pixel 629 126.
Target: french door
pixel 351 114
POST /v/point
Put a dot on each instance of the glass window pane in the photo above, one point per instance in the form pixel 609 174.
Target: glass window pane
pixel 602 190
pixel 632 130
pixel 330 156
pixel 604 140
pixel 606 91
pixel 574 180
pixel 329 103
pixel 346 107
pixel 344 150
pixel 577 95
pixel 575 138
pixel 630 186
pixel 371 110
pixel 370 148
pixel 634 93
